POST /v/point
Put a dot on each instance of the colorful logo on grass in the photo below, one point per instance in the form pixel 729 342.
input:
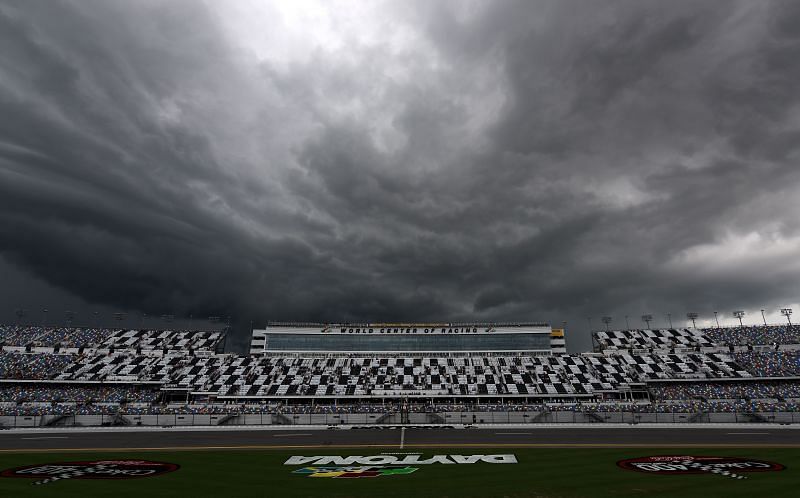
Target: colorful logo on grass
pixel 690 464
pixel 385 464
pixel 99 469
pixel 354 472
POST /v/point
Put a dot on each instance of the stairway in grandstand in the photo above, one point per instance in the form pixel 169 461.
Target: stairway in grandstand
pixel 434 418
pixel 383 419
pixel 226 420
pixel 281 419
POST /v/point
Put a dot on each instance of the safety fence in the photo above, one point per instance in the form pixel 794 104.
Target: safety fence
pixel 446 418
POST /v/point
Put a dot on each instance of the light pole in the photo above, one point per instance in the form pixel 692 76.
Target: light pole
pixel 763 317
pixel 606 320
pixel 787 312
pixel 739 314
pixel 44 317
pixel 647 319
pixel 669 319
pixel 692 316
pixel 716 319
pixel 627 325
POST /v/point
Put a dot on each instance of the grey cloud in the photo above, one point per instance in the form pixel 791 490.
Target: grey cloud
pixel 548 160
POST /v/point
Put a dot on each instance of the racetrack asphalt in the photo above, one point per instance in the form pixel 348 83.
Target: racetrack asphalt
pixel 400 438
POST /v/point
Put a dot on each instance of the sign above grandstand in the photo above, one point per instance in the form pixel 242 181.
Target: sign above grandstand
pixel 98 469
pixel 687 464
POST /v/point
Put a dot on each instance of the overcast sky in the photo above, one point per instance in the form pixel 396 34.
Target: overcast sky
pixel 461 160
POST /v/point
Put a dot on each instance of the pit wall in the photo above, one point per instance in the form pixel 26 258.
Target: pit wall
pixel 454 418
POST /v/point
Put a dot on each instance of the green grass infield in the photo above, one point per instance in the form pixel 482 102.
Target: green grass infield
pixel 539 472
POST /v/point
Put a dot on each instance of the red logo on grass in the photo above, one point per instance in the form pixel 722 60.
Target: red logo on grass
pixel 99 469
pixel 691 464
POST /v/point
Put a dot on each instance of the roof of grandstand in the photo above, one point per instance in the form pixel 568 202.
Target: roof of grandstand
pixel 407 324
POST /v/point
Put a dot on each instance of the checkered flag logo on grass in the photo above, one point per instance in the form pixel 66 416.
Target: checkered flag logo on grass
pixel 100 469
pixel 727 466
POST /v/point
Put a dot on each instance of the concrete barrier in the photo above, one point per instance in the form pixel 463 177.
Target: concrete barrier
pixel 448 418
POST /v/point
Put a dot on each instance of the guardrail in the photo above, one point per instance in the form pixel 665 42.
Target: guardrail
pixel 451 418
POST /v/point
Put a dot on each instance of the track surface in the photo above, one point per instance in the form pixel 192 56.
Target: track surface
pixel 403 438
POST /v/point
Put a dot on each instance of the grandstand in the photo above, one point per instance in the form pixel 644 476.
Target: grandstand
pixel 387 370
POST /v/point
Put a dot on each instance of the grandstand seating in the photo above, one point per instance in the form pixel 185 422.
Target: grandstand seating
pixel 754 335
pixel 32 366
pixel 771 363
pixel 730 390
pixel 104 338
pixel 652 339
pixel 660 339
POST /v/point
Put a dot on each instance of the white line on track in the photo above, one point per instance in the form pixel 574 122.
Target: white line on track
pixel 747 433
pixel 402 437
pixel 513 433
pixel 288 435
pixel 47 437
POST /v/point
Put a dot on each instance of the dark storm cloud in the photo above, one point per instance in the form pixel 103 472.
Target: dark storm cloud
pixel 512 160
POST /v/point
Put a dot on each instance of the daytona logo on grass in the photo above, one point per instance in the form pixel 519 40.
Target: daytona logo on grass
pixel 99 469
pixel 691 464
pixel 385 464
pixel 354 472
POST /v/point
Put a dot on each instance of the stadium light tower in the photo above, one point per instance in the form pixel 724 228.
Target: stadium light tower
pixel 647 319
pixel 627 325
pixel 44 316
pixel 716 319
pixel 692 316
pixel 787 312
pixel 606 320
pixel 763 317
pixel 669 319
pixel 739 314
